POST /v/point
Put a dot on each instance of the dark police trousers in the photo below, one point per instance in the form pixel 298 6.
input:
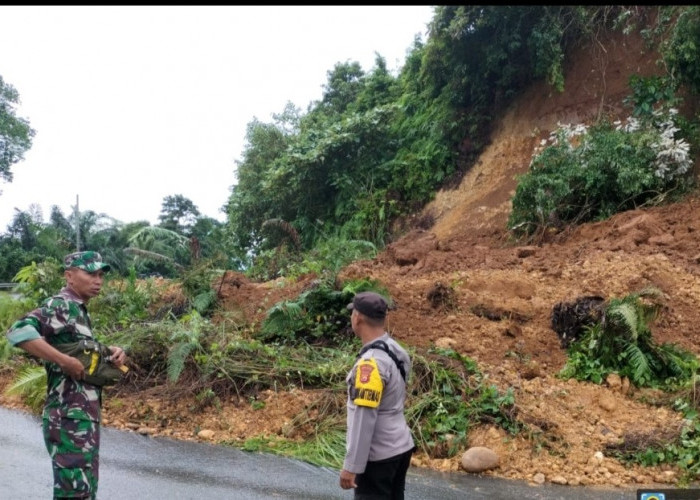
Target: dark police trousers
pixel 384 479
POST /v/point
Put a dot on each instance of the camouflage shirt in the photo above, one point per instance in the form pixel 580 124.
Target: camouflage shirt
pixel 63 318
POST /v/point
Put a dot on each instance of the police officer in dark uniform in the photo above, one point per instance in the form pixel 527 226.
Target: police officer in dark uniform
pixel 379 444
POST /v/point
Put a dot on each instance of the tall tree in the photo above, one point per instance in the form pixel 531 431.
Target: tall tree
pixel 15 133
pixel 62 226
pixel 25 228
pixel 343 86
pixel 208 231
pixel 253 199
pixel 178 214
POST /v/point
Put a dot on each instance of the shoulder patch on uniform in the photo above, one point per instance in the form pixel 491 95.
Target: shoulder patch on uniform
pixel 368 384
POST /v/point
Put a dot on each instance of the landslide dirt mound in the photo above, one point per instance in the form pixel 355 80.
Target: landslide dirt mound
pixel 464 284
pixel 501 308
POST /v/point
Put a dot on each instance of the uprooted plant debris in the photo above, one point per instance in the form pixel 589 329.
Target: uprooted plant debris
pixel 570 318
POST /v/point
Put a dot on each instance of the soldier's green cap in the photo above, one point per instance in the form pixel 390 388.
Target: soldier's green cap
pixel 87 261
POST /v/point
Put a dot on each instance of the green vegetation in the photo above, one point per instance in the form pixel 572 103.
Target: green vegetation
pixel 305 343
pixel 10 310
pixel 681 449
pixel 16 134
pixel 447 397
pixel 326 448
pixel 591 174
pixel 621 343
pixel 37 282
pixel 319 314
pixel 30 384
pixel 376 146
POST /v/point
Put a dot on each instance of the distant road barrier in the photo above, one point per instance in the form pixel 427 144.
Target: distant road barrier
pixel 7 285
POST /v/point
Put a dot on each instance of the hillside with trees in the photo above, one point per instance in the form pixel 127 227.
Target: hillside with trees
pixel 524 191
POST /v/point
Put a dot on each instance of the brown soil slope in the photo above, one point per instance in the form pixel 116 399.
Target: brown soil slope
pixel 504 296
pixel 505 293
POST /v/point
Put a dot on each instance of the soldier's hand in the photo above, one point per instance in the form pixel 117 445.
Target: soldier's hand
pixel 347 480
pixel 72 367
pixel 118 356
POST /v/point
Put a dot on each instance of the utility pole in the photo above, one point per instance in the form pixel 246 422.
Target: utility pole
pixel 77 225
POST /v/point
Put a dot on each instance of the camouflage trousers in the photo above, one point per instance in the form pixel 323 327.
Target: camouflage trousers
pixel 74 446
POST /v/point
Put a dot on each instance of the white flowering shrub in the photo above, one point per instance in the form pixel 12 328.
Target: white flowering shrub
pixel 583 173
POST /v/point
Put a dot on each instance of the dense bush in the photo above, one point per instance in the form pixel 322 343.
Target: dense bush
pixel 319 315
pixel 586 174
pixel 681 49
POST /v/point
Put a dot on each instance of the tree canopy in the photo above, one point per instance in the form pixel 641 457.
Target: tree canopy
pixel 15 132
pixel 377 145
pixel 178 213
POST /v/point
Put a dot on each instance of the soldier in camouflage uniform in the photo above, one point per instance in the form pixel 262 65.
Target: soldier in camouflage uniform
pixel 72 411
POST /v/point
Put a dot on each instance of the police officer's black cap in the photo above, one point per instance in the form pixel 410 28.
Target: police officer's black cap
pixel 370 304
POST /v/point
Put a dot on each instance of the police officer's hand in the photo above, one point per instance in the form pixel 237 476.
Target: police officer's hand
pixel 347 480
pixel 118 356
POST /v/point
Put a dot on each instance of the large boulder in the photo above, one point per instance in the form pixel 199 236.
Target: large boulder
pixel 479 459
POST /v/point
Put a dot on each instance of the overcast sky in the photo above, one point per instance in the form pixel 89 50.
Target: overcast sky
pixel 133 104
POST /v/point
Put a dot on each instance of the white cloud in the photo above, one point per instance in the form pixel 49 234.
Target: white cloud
pixel 132 104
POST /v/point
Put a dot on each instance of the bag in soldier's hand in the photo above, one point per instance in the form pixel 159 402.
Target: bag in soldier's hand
pixel 95 358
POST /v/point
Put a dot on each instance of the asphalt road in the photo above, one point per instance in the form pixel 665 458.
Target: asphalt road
pixel 141 467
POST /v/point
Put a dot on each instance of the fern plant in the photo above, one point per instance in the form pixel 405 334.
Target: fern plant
pixel 621 342
pixel 197 285
pixel 30 386
pixel 187 338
